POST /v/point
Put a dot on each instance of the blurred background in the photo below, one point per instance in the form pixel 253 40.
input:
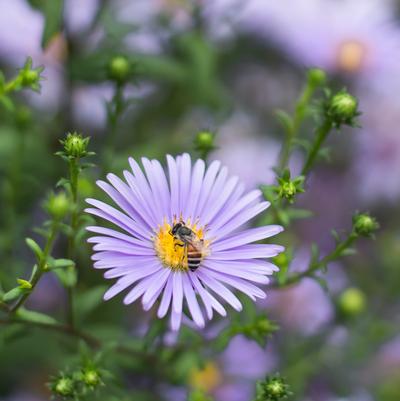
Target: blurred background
pixel 224 66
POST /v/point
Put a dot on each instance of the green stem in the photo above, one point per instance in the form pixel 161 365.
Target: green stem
pixel 299 115
pixel 89 339
pixel 41 268
pixel 117 106
pixel 11 85
pixel 317 265
pixel 73 174
pixel 4 307
pixel 321 134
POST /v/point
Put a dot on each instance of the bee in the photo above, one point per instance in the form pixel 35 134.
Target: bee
pixel 192 244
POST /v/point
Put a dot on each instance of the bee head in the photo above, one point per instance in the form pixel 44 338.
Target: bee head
pixel 176 228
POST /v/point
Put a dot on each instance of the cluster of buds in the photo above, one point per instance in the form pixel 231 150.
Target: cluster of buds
pixel 72 386
pixel 273 388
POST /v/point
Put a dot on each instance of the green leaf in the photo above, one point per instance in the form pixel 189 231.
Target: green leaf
pixel 33 245
pixel 314 253
pixel 348 252
pixel 67 277
pixel 33 316
pixel 63 182
pixel 52 10
pixel 285 119
pixel 335 236
pixel 7 103
pixel 13 294
pixel 60 263
pixel 24 284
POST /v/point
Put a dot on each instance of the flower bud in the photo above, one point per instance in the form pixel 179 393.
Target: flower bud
pixel 272 388
pixel 64 386
pixel 204 142
pixel 316 77
pixel 352 302
pixel 75 145
pixel 343 108
pixel 119 69
pixel 58 205
pixel 288 188
pixel 30 77
pixel 364 224
pixel 91 377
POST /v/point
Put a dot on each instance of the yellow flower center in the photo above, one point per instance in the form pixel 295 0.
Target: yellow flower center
pixel 173 252
pixel 206 379
pixel 351 55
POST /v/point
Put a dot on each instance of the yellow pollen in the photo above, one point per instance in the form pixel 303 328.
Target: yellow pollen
pixel 351 55
pixel 206 379
pixel 168 248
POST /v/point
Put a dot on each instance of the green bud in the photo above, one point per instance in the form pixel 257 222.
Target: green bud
pixel 273 388
pixel 64 386
pixel 58 205
pixel 30 77
pixel 91 378
pixel 75 145
pixel 364 224
pixel 119 69
pixel 343 109
pixel 316 77
pixel 281 260
pixel 204 142
pixel 288 188
pixel 352 302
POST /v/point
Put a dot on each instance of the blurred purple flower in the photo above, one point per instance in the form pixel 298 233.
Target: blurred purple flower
pixel 350 36
pixel 232 376
pixel 304 307
pixel 248 156
pixel 208 208
pixel 377 161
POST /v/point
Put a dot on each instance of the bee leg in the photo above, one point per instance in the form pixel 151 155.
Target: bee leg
pixel 178 244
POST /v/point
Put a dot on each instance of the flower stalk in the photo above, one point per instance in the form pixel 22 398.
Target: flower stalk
pixel 315 78
pixel 40 268
pixel 316 265
pixel 321 134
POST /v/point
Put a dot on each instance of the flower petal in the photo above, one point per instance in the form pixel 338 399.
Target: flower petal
pixel 166 298
pixel 246 237
pixel 192 301
pixel 220 289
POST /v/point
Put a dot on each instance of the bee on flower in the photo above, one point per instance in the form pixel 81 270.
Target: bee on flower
pixel 179 238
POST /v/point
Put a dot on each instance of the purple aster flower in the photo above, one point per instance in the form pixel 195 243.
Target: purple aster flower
pixel 351 36
pixel 182 240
